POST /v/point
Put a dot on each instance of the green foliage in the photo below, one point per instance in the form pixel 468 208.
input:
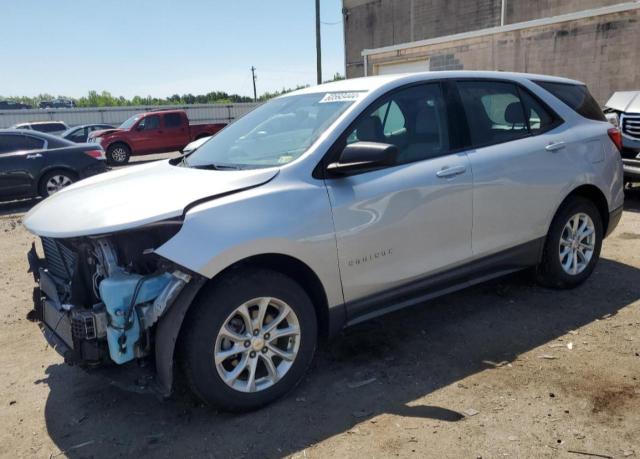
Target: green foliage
pixel 105 99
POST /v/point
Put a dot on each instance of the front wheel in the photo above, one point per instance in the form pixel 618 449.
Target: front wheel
pixel 118 154
pixel 249 339
pixel 573 245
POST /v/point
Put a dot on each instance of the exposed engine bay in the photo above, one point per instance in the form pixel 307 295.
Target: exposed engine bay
pixel 100 297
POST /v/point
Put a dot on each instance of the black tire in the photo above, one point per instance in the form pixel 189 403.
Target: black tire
pixel 550 272
pixel 63 177
pixel 118 154
pixel 211 311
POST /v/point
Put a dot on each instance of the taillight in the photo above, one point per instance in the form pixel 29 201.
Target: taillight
pixel 97 154
pixel 616 137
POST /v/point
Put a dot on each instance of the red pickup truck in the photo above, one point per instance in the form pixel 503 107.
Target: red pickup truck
pixel 151 132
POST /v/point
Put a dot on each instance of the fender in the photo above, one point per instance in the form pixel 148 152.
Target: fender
pixel 167 333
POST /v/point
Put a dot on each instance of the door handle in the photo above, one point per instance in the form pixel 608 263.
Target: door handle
pixel 555 146
pixel 448 172
pixel 34 156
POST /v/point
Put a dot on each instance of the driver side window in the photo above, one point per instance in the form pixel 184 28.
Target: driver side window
pixel 149 123
pixel 413 119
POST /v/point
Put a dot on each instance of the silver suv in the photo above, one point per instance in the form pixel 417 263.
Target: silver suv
pixel 318 210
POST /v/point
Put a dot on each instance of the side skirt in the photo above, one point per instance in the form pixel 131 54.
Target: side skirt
pixel 475 272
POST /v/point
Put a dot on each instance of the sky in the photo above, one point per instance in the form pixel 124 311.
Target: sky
pixel 164 47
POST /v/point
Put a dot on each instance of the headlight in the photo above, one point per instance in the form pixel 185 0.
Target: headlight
pixel 613 118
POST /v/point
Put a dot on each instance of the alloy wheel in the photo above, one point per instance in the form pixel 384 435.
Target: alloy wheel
pixel 257 344
pixel 56 183
pixel 119 154
pixel 577 243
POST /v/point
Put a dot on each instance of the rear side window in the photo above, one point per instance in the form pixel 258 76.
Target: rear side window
pixel 172 120
pixel 495 113
pixel 577 97
pixel 13 142
pixel 539 117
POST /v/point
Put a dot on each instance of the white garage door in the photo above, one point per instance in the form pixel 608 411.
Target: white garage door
pixel 403 67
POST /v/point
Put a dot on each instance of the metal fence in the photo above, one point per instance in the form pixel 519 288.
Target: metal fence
pixel 198 113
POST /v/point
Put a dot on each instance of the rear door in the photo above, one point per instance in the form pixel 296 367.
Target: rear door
pixel 519 163
pixel 21 157
pixel 400 224
pixel 175 131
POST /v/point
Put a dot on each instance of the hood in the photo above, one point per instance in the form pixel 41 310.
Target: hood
pixel 132 197
pixel 104 132
pixel 625 101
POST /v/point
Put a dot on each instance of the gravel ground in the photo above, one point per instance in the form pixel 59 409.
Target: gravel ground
pixel 505 369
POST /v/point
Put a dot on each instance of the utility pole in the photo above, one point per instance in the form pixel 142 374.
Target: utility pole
pixel 253 77
pixel 318 46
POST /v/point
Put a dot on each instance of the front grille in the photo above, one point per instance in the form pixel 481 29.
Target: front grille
pixel 61 260
pixel 631 125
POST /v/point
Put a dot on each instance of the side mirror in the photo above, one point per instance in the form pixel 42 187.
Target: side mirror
pixel 140 127
pixel 363 157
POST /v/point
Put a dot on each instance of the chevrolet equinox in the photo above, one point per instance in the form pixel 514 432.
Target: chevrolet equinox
pixel 318 210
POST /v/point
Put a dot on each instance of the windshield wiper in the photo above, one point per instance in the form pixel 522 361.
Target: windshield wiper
pixel 216 167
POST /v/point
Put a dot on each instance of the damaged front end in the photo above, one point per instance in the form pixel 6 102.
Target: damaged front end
pixel 100 297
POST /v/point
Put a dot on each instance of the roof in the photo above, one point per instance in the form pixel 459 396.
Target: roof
pixel 39 122
pixel 375 82
pixel 42 135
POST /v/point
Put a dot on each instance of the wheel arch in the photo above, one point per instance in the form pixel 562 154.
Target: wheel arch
pixel 595 195
pixel 54 168
pixel 171 326
pixel 117 141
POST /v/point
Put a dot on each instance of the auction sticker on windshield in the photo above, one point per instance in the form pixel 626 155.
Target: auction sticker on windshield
pixel 339 97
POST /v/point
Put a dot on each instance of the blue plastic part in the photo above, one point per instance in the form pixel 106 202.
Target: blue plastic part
pixel 116 292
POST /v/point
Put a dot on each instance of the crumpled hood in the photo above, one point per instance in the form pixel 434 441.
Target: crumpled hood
pixel 103 132
pixel 625 101
pixel 134 196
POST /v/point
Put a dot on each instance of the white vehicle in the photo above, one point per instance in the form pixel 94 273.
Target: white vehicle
pixel 193 146
pixel 50 127
pixel 318 210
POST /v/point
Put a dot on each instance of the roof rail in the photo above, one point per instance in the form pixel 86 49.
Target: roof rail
pixel 164 109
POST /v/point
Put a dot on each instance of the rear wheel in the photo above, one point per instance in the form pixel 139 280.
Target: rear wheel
pixel 54 181
pixel 118 154
pixel 249 340
pixel 573 245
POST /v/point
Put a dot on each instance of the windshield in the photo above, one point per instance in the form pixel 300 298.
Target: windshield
pixel 130 122
pixel 273 134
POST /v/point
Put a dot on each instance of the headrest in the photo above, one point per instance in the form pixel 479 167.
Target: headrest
pixel 514 113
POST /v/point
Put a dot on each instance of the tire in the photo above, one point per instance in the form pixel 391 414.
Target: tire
pixel 54 181
pixel 567 271
pixel 217 306
pixel 118 154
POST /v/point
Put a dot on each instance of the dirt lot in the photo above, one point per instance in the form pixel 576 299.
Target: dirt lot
pixel 502 369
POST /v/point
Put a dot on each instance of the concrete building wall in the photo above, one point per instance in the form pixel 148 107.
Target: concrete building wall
pixel 602 51
pixel 375 23
pixel 526 10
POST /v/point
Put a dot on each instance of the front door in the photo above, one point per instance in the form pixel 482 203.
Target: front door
pixel 147 135
pixel 401 224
